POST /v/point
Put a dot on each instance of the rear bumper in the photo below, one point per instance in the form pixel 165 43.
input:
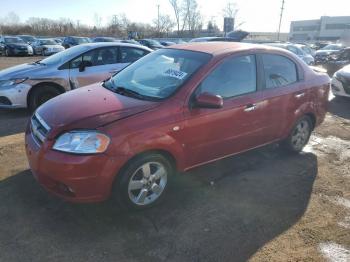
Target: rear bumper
pixel 75 178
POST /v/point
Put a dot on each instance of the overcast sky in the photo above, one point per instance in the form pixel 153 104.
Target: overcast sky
pixel 257 15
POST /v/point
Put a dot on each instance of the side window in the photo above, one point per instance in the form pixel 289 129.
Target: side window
pixel 97 57
pixel 235 76
pixel 279 71
pixel 130 54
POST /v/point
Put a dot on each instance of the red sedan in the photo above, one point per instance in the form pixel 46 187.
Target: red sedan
pixel 174 109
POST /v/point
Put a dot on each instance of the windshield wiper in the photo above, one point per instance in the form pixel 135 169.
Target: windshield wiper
pixel 128 92
pixel 39 62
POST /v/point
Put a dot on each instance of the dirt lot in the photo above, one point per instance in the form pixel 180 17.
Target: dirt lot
pixel 264 205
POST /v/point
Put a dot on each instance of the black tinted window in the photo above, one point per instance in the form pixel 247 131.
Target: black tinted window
pixel 130 54
pixel 279 71
pixel 97 57
pixel 235 76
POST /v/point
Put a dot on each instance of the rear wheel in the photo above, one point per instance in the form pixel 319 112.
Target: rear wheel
pixel 144 181
pixel 40 95
pixel 300 135
pixel 6 52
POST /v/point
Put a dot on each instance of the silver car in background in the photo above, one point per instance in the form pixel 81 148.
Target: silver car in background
pixel 30 85
pixel 294 48
pixel 46 47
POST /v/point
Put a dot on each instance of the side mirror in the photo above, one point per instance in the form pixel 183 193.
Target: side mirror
pixel 207 100
pixel 83 65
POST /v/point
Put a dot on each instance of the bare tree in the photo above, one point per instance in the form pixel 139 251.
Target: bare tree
pixel 192 17
pixel 230 10
pixel 164 25
pixel 177 13
pixel 10 19
pixel 97 20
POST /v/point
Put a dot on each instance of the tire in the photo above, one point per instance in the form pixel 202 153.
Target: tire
pixel 299 136
pixel 40 95
pixel 6 52
pixel 143 182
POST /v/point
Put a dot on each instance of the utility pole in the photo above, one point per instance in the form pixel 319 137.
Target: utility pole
pixel 279 26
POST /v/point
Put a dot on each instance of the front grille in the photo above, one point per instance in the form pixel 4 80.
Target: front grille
pixel 5 101
pixel 39 128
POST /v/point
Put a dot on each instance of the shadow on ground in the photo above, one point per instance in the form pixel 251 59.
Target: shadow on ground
pixel 224 211
pixel 13 121
pixel 340 106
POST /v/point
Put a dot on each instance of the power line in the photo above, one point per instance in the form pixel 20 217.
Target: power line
pixel 279 26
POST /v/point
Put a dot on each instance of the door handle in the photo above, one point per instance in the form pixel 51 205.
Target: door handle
pixel 250 107
pixel 299 95
pixel 114 71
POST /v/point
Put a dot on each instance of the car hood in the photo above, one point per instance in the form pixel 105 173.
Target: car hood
pixel 23 70
pixel 326 52
pixel 89 107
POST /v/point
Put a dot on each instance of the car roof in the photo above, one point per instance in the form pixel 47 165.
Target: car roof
pixel 103 44
pixel 219 48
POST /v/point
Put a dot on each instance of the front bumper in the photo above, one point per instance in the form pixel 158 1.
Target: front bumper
pixel 75 178
pixel 338 88
pixel 14 96
pixel 17 51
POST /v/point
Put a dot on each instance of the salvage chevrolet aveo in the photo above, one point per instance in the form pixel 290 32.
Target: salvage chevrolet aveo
pixel 174 109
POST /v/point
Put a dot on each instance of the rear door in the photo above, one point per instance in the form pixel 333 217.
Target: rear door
pixel 101 64
pixel 215 133
pixel 283 94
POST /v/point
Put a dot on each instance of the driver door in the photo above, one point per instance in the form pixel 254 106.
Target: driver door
pixel 94 66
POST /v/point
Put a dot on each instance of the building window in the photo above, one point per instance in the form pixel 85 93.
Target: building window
pixel 337 26
pixel 305 28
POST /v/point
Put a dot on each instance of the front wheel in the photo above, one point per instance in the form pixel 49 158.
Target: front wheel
pixel 300 135
pixel 143 182
pixel 40 95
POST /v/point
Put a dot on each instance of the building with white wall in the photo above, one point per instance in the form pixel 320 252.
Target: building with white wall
pixel 327 28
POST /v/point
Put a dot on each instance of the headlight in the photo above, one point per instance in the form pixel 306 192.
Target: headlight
pixel 11 82
pixel 82 142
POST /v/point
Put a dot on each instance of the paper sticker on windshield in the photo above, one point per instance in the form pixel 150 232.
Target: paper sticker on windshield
pixel 175 73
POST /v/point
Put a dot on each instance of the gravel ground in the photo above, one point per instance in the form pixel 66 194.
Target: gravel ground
pixel 264 205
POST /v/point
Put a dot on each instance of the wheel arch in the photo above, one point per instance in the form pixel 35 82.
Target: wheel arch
pixel 60 88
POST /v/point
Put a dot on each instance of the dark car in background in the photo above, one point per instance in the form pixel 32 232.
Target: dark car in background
pixel 323 54
pixel 337 61
pixel 103 39
pixel 70 41
pixel 46 47
pixel 151 43
pixel 13 45
pixel 29 39
pixel 167 43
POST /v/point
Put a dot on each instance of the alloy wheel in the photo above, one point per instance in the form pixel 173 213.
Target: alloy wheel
pixel 301 134
pixel 147 183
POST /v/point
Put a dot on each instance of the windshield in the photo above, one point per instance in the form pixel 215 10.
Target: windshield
pixel 153 42
pixel 65 55
pixel 82 40
pixel 159 74
pixel 332 47
pixel 13 40
pixel 48 42
pixel 27 38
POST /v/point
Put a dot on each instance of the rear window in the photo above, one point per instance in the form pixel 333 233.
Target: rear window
pixel 279 71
